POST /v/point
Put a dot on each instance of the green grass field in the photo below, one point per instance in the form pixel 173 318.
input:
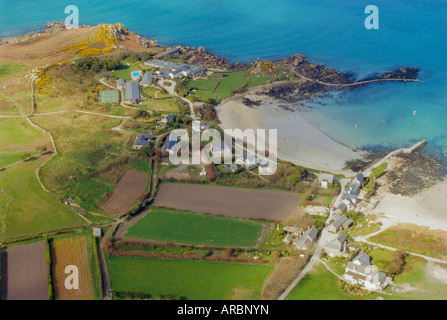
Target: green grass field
pixel 196 229
pixel 25 208
pixel 108 96
pixel 192 280
pixel 230 82
pixel 11 158
pixel 18 135
pixel 8 68
pixel 320 284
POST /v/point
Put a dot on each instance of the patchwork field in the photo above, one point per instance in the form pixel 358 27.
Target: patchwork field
pixel 233 202
pixel 126 192
pixel 65 252
pixel 192 280
pixel 24 272
pixel 39 213
pixel 195 229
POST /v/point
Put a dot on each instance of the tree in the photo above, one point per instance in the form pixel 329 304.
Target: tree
pixel 398 261
pixel 24 156
pixel 210 172
pixel 146 151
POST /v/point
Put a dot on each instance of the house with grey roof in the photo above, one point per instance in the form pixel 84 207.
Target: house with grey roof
pixel 341 223
pixel 288 239
pixel 337 246
pixel 142 140
pixel 358 180
pixel 293 230
pixel 326 179
pixel 307 240
pixel 147 78
pixel 121 83
pixel 171 143
pixel 173 70
pixel 132 91
pixel 361 272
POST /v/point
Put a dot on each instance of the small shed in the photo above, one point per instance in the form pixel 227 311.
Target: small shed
pixel 97 232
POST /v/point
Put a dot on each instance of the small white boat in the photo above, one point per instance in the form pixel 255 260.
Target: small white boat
pixel 415 113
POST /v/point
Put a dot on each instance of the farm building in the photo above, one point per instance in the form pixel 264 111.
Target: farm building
pixel 293 230
pixel 121 83
pixel 133 92
pixel 97 232
pixel 199 105
pixel 142 140
pixel 170 144
pixel 337 246
pixel 147 78
pixel 288 239
pixel 341 223
pixel 307 240
pixel 326 179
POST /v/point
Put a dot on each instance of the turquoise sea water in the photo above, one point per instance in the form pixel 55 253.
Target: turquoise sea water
pixel 411 33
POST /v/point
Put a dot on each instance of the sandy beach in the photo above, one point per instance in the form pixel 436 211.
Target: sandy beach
pixel 298 140
pixel 303 144
pixel 427 208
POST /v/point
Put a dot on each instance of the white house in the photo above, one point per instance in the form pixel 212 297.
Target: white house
pixel 361 272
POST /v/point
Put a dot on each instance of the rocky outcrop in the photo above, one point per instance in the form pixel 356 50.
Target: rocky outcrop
pixel 202 58
pixel 298 64
pixel 50 27
pixel 413 172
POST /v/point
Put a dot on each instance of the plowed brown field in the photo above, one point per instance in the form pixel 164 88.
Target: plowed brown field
pixel 24 272
pixel 131 185
pixel 233 202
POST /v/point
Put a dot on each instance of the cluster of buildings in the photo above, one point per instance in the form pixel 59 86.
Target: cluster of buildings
pixel 305 240
pixel 174 70
pixel 350 198
pixel 132 88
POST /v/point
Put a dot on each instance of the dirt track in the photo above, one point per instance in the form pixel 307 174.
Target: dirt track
pixel 128 189
pixel 24 272
pixel 233 202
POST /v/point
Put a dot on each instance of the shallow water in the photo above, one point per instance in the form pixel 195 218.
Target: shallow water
pixel 411 33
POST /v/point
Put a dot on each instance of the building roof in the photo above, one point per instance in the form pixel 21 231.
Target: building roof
pixel 143 140
pixel 308 237
pixel 147 78
pixel 132 91
pixel 121 82
pixel 339 222
pixel 292 229
pixel 362 259
pixel 326 176
pixel 342 238
pixel 170 117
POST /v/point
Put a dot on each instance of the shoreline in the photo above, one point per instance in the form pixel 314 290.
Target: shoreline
pixel 302 142
pixel 312 148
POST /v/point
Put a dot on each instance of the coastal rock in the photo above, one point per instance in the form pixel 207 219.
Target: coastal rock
pixel 413 172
